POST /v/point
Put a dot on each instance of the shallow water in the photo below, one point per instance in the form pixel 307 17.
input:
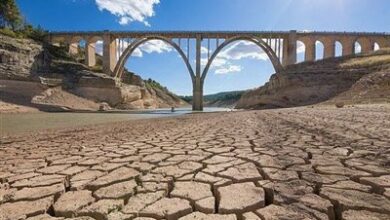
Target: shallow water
pixel 27 122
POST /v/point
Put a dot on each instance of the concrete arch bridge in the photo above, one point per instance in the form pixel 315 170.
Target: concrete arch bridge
pixel 279 46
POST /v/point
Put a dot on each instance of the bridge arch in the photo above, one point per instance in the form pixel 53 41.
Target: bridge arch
pixel 376 46
pixel 366 44
pixel 76 44
pixel 357 47
pixel 300 51
pixel 319 50
pixel 118 71
pixel 257 41
pixel 338 49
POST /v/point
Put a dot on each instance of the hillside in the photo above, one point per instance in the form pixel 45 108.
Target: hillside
pixel 352 80
pixel 24 61
pixel 221 99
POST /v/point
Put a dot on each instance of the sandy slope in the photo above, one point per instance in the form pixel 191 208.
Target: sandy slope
pixel 24 96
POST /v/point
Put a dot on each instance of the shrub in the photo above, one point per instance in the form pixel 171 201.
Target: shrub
pixel 8 32
pixel 339 104
pixel 37 33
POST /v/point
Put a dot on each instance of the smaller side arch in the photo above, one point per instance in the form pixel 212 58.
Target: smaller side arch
pixel 301 51
pixel 376 46
pixel 357 47
pixel 76 43
pixel 366 44
pixel 383 42
pixel 338 49
pixel 319 50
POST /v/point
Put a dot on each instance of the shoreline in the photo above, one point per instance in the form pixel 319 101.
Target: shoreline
pixel 21 123
pixel 14 124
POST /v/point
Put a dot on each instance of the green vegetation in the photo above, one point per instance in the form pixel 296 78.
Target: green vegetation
pixel 154 84
pixel 12 24
pixel 222 96
pixel 9 14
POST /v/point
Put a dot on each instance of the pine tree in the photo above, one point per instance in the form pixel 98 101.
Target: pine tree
pixel 9 14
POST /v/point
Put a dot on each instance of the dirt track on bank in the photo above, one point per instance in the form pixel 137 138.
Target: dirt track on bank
pixel 299 163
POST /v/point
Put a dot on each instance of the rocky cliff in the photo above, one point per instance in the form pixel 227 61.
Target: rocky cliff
pixel 24 61
pixel 354 80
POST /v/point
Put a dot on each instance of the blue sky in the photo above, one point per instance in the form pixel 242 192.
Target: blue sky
pixel 234 71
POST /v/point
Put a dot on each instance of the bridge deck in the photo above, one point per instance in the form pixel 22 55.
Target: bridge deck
pixel 213 34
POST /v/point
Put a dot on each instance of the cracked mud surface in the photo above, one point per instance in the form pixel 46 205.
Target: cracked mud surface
pixel 301 163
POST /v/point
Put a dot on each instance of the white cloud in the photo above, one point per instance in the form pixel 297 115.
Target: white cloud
pixel 243 49
pixel 217 62
pixel 228 69
pixel 152 46
pixel 124 20
pixel 137 53
pixel 129 10
pixel 204 50
pixel 156 46
pixel 222 64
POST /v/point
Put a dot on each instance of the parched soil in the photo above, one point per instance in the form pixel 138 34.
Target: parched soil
pixel 299 163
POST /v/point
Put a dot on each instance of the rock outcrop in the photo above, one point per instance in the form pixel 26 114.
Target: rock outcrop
pixel 354 80
pixel 24 60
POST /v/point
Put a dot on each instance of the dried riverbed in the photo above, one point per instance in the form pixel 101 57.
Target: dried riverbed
pixel 299 163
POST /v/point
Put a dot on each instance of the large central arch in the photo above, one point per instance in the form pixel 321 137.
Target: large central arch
pixel 118 71
pixel 198 77
pixel 257 41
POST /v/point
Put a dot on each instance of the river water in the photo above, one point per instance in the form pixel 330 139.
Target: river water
pixel 27 122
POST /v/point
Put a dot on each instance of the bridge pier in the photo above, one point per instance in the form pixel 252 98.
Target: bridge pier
pixel 90 54
pixel 109 53
pixel 290 49
pixel 310 52
pixel 329 48
pixel 73 48
pixel 197 82
pixel 197 94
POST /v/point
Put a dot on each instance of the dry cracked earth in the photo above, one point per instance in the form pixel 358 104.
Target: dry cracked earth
pixel 302 163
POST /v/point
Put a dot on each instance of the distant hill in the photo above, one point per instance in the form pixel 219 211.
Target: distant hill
pixel 221 99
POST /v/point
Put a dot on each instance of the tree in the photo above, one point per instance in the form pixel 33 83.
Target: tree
pixel 9 14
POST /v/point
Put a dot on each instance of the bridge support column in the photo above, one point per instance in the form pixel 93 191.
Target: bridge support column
pixel 290 49
pixel 310 52
pixel 109 54
pixel 197 83
pixel 90 54
pixel 73 48
pixel 329 49
pixel 367 46
pixel 348 47
pixel 197 94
